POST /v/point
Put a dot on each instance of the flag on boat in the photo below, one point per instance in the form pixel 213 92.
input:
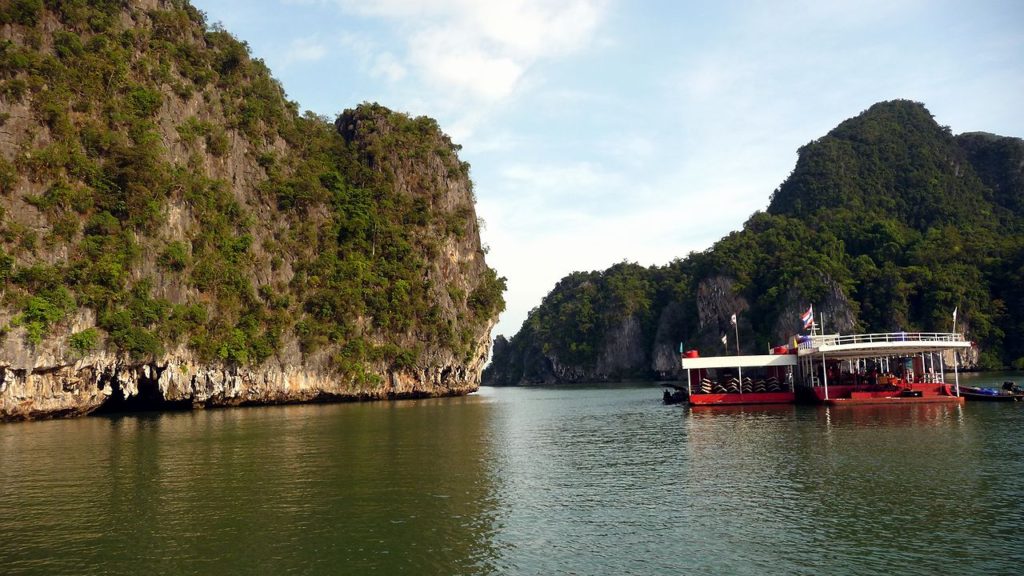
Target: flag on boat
pixel 733 319
pixel 808 317
pixel 725 339
pixel 954 316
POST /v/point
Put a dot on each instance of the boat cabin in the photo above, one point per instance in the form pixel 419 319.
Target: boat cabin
pixel 878 368
pixel 755 379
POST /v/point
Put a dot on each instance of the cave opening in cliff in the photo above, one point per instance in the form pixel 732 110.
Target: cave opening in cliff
pixel 148 399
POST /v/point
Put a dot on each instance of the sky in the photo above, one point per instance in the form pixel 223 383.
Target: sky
pixel 602 131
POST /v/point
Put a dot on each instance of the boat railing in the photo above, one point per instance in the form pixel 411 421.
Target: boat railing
pixel 819 340
pixel 733 385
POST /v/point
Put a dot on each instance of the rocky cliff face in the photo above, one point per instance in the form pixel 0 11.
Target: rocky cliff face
pixel 173 232
pixel 623 350
pixel 620 356
pixel 49 387
pixel 629 351
pixel 665 355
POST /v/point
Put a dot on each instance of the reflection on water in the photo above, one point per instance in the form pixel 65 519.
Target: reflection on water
pixel 912 415
pixel 858 490
pixel 585 480
pixel 357 488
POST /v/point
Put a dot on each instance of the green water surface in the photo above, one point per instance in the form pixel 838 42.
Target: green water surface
pixel 581 480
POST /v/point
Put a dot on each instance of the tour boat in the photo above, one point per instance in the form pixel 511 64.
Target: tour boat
pixel 732 380
pixel 888 368
pixel 839 370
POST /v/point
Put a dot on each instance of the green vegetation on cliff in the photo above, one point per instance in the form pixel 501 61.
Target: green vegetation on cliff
pixel 155 174
pixel 889 219
pixel 584 303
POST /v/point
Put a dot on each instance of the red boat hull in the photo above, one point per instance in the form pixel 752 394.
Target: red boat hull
pixel 733 399
pixel 847 395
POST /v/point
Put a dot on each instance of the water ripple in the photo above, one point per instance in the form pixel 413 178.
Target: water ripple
pixel 598 480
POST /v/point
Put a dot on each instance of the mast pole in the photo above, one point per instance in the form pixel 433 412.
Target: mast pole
pixel 739 369
pixel 689 391
pixel 956 373
pixel 824 373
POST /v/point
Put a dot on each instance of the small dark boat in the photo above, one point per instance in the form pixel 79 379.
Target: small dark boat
pixel 676 396
pixel 1008 393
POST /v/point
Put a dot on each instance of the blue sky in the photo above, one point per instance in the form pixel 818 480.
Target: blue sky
pixel 607 130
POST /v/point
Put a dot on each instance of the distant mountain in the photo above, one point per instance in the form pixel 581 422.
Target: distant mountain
pixel 891 162
pixel 887 222
pixel 173 230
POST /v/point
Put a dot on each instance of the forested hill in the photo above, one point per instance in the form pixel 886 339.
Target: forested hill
pixel 172 229
pixel 888 222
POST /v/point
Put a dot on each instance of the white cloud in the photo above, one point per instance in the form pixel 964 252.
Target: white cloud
pixel 547 220
pixel 386 65
pixel 533 28
pixel 303 50
pixel 633 150
pixel 454 62
pixel 558 181
pixel 463 129
pixel 525 27
pixel 709 79
pixel 482 50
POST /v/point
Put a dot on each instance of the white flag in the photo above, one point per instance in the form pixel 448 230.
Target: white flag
pixel 733 319
pixel 954 314
pixel 725 339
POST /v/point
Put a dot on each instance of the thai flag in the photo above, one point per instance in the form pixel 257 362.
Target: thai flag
pixel 808 317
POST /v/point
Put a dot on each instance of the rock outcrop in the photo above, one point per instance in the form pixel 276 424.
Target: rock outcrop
pixel 179 380
pixel 174 233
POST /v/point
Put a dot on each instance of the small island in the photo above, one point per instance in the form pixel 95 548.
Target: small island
pixel 175 232
pixel 887 223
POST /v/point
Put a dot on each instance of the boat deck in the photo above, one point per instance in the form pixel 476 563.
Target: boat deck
pixel 893 400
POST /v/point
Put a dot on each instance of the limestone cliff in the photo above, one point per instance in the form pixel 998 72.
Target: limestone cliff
pixel 173 231
pixel 628 352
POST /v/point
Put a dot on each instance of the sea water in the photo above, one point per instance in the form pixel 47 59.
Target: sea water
pixel 572 480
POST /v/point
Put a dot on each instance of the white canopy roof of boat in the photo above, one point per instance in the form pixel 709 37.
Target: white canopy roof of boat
pixel 877 345
pixel 740 361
